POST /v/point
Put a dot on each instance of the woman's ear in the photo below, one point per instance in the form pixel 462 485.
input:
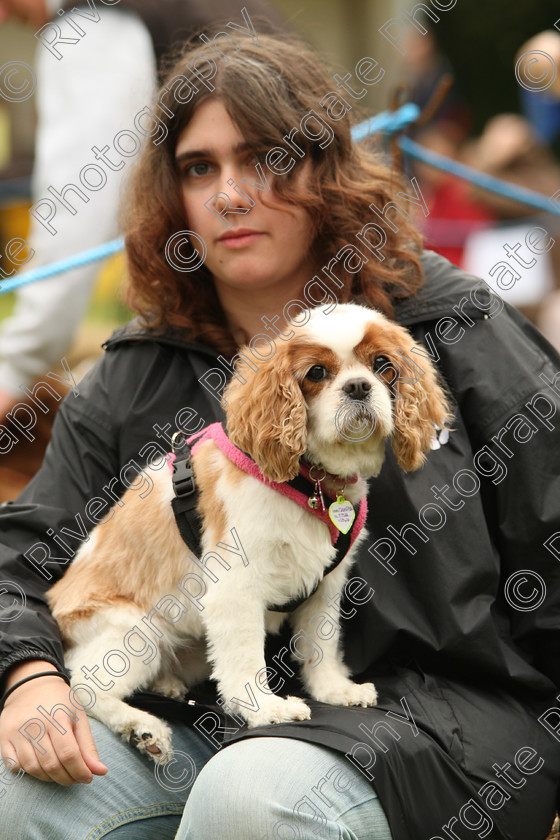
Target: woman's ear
pixel 266 415
pixel 419 406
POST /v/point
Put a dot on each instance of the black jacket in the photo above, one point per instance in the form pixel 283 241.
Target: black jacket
pixel 462 634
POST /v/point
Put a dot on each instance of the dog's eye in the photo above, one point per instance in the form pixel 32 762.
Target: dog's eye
pixel 316 373
pixel 384 368
pixel 380 362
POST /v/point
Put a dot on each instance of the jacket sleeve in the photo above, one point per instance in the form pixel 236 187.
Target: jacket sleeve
pixel 506 379
pixel 41 531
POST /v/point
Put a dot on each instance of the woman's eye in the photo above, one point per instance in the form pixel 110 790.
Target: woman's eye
pixel 197 170
pixel 316 373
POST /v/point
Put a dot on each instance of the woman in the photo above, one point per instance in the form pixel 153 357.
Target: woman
pixel 464 661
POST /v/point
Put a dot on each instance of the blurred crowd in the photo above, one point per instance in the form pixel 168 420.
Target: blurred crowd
pixel 468 224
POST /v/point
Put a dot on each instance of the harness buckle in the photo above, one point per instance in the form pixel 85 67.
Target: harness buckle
pixel 183 475
pixel 183 478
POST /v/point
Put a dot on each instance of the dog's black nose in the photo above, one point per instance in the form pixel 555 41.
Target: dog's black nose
pixel 358 389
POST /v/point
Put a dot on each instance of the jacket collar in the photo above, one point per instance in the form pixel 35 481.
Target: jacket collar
pixel 445 286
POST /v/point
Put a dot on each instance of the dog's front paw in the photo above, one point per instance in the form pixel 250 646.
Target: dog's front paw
pixel 350 694
pixel 150 736
pixel 170 686
pixel 279 710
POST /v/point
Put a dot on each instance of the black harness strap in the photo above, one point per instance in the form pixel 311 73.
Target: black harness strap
pixel 342 546
pixel 186 497
pixel 188 522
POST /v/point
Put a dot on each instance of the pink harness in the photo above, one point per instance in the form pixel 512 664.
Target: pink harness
pixel 216 433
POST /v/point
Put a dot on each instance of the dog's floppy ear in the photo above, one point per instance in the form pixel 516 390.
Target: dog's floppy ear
pixel 267 416
pixel 420 405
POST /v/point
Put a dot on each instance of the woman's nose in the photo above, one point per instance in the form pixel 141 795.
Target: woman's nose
pixel 237 192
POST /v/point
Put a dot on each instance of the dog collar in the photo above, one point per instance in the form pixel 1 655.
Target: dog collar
pixel 305 467
pixel 299 489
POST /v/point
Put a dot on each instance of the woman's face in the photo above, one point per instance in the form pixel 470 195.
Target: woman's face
pixel 266 248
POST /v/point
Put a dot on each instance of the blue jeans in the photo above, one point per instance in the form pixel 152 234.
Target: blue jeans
pixel 258 789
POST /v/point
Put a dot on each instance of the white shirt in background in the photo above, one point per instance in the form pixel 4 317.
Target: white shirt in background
pixel 83 100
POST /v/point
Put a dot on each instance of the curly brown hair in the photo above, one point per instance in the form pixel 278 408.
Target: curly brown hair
pixel 266 89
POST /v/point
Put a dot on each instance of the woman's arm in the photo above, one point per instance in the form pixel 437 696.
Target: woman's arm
pixel 65 757
pixel 81 458
pixel 506 378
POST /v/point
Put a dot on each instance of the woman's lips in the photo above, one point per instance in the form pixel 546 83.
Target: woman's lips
pixel 240 238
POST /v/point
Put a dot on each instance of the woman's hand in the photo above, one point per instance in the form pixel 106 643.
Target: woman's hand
pixel 65 759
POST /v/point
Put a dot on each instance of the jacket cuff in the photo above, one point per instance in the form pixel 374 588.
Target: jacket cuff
pixel 26 655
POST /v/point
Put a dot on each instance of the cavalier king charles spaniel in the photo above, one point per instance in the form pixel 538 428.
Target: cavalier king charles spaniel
pixel 282 502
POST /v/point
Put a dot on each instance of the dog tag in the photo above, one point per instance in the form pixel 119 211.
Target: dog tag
pixel 342 514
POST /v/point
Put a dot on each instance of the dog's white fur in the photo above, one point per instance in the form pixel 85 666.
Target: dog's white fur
pixel 135 559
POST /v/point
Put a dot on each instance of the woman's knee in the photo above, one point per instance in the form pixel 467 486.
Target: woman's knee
pixel 280 787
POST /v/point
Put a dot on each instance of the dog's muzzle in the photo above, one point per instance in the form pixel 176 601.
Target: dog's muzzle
pixel 355 420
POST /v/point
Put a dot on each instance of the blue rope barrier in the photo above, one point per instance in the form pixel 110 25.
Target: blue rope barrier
pixel 487 182
pixel 388 122
pixel 75 261
pixel 391 121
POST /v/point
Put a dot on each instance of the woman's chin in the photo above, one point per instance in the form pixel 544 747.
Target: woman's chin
pixel 249 277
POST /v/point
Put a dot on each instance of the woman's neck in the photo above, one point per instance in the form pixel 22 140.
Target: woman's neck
pixel 254 312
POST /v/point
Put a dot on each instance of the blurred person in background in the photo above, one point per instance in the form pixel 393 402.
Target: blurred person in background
pixel 510 149
pixel 540 91
pixel 425 67
pixel 542 108
pixel 86 95
pixel 454 213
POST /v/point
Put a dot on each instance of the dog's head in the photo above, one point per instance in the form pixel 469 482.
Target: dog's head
pixel 334 393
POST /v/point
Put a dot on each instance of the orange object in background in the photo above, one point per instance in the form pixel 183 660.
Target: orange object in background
pixel 14 223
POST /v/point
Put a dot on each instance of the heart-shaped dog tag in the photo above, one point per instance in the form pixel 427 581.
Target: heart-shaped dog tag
pixel 342 514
